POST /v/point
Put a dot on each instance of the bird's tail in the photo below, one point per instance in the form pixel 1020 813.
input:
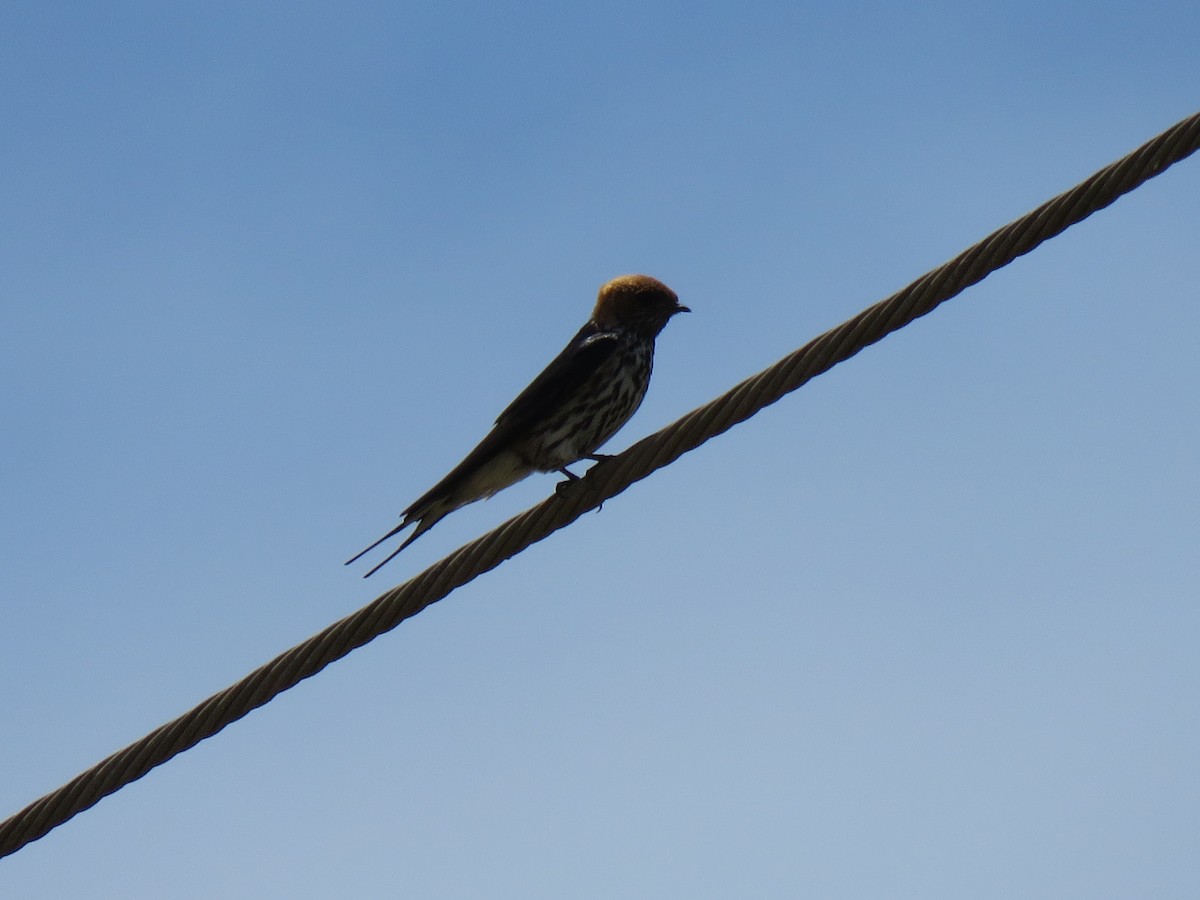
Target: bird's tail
pixel 425 520
pixel 476 477
pixel 387 559
pixel 361 553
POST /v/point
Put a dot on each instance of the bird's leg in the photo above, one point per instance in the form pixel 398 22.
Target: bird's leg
pixel 571 478
pixel 599 457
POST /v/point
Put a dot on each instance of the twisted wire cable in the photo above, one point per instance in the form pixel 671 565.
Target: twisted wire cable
pixel 604 480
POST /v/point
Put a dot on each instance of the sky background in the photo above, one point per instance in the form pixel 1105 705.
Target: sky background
pixel 927 628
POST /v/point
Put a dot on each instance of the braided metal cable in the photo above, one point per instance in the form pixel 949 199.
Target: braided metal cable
pixel 604 480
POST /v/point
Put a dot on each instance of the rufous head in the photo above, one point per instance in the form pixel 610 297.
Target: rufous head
pixel 638 302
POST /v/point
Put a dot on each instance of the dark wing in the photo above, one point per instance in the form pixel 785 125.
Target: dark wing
pixel 567 372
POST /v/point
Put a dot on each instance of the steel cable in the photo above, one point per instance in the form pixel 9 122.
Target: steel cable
pixel 603 481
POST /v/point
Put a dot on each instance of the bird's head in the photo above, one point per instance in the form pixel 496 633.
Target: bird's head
pixel 638 302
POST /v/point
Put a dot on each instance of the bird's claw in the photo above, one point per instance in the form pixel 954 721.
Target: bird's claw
pixel 571 479
pixel 566 485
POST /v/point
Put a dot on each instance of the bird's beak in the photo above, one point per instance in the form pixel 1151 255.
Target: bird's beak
pixel 679 309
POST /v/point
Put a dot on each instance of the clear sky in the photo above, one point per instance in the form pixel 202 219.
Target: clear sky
pixel 927 628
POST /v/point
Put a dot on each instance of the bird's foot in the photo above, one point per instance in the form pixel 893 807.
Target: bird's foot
pixel 571 479
pixel 598 458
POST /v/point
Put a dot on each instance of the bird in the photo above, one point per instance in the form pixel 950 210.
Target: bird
pixel 566 414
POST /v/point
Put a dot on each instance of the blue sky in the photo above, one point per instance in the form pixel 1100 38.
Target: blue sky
pixel 926 628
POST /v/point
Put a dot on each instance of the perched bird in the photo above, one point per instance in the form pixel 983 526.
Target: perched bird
pixel 588 392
